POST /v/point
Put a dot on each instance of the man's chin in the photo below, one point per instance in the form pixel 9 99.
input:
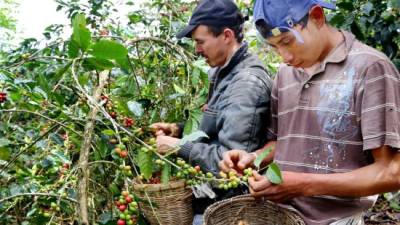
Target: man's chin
pixel 296 65
pixel 211 64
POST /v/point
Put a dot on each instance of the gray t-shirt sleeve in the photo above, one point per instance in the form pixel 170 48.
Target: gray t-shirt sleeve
pixel 380 106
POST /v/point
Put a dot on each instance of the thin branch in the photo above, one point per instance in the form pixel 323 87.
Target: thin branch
pixel 134 75
pixel 33 54
pixel 175 47
pixel 85 151
pixel 139 57
pixel 38 194
pixel 102 161
pixel 41 115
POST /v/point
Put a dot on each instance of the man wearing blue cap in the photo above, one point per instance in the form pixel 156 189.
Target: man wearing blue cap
pixel 335 117
pixel 238 104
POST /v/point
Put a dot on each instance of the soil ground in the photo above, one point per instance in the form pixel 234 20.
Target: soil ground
pixel 382 214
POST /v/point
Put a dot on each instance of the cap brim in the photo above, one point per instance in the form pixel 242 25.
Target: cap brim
pixel 186 31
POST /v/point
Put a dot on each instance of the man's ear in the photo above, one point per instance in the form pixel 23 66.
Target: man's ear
pixel 317 16
pixel 229 35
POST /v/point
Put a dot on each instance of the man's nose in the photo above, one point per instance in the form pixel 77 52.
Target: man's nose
pixel 286 55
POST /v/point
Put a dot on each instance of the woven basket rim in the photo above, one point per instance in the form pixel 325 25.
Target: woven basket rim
pixel 244 198
pixel 159 187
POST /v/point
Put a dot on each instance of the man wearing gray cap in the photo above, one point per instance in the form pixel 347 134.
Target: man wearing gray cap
pixel 236 114
pixel 336 117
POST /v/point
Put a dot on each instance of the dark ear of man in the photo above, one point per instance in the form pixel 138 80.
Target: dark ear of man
pixel 317 16
pixel 229 34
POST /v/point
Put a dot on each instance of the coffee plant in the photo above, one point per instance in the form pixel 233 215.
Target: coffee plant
pixel 75 112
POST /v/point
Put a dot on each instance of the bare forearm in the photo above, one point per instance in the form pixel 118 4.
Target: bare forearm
pixel 379 177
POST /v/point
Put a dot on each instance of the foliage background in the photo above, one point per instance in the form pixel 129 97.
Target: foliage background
pixel 150 76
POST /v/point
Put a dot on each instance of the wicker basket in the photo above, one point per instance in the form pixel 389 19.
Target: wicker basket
pixel 172 203
pixel 244 210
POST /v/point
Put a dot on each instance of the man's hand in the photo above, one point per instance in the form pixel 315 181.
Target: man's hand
pixel 166 144
pixel 166 129
pixel 291 187
pixel 236 160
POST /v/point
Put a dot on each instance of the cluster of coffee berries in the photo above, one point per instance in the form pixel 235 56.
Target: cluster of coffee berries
pixel 232 179
pixel 247 173
pixel 129 122
pixel 54 206
pixel 120 150
pixel 3 97
pixel 228 181
pixel 192 175
pixel 46 211
pixel 126 170
pixel 128 208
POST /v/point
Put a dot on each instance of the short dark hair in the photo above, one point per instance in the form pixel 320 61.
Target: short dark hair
pixel 237 30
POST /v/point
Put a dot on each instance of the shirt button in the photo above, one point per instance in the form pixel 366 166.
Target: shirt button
pixel 306 85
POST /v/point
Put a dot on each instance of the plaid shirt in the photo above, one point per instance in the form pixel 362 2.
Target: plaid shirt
pixel 327 122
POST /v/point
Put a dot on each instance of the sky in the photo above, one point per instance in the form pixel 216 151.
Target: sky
pixel 33 16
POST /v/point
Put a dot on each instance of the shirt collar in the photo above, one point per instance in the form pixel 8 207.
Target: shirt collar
pixel 338 54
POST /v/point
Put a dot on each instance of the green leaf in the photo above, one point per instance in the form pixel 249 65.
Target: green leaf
pixel 56 138
pixel 196 76
pixel 136 108
pixel 188 127
pixel 114 188
pixel 4 142
pixel 108 132
pixel 124 64
pixel 83 78
pixel 73 49
pixel 106 217
pixel 79 20
pixel 345 5
pixel 179 89
pixel 61 156
pixel 260 157
pixel 394 3
pixel 337 20
pixel 106 49
pixel 367 8
pixel 135 17
pixel 274 173
pixel 82 37
pixel 59 98
pixel 31 212
pixel 15 189
pixel 98 64
pixel 4 153
pixel 193 136
pixel 61 71
pixel 44 84
pixel 145 163
pixel 165 173
pixel 193 122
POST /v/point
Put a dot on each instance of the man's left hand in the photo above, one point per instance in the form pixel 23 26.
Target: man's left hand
pixel 166 144
pixel 291 187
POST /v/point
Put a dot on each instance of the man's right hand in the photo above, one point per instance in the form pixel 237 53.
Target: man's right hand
pixel 236 160
pixel 165 129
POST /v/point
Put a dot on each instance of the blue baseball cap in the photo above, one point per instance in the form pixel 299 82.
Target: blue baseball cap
pixel 218 13
pixel 272 17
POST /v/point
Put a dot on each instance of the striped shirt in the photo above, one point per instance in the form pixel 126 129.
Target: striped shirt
pixel 327 121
